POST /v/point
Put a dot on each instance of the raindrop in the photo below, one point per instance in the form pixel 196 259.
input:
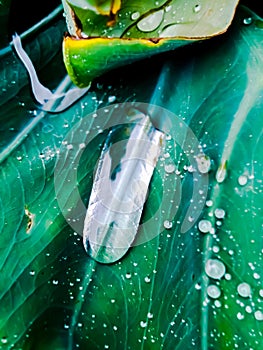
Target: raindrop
pixel 220 213
pixel 213 291
pixel 128 275
pixel 240 316
pixel 221 172
pixel 169 168
pixel 244 290
pixel 151 22
pixel 32 272
pixel 218 303
pixel 209 203
pixel 197 8
pixel 111 99
pixel 135 15
pixel 203 163
pixel 248 309
pixel 261 293
pixel 147 279
pixel 150 315
pixel 168 224
pixel 198 286
pixel 258 315
pixel 55 282
pixel 204 226
pixel 4 340
pixel 215 268
pixel 143 324
pixel 247 21
pixel 242 180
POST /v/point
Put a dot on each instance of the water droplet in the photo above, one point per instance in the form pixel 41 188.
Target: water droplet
pixel 228 276
pixel 168 224
pixel 215 268
pixel 135 15
pixel 244 290
pixel 220 213
pixel 256 275
pixel 4 340
pixel 197 8
pixel 147 279
pixel 111 99
pixel 128 275
pixel 169 168
pixel 248 309
pixel 209 203
pixel 258 315
pixel 247 21
pixel 203 163
pixel 32 272
pixel 261 293
pixel 143 324
pixel 151 22
pixel 198 286
pixel 150 315
pixel 55 282
pixel 240 316
pixel 204 226
pixel 221 172
pixel 218 303
pixel 213 291
pixel 242 180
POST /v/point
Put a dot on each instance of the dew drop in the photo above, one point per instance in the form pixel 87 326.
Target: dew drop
pixel 258 315
pixel 242 180
pixel 151 22
pixel 198 286
pixel 168 224
pixel 169 168
pixel 240 316
pixel 197 8
pixel 220 213
pixel 244 290
pixel 204 226
pixel 213 291
pixel 135 15
pixel 128 275
pixel 247 21
pixel 143 324
pixel 150 315
pixel 147 279
pixel 4 340
pixel 203 163
pixel 215 268
pixel 111 99
pixel 248 309
pixel 261 293
pixel 221 172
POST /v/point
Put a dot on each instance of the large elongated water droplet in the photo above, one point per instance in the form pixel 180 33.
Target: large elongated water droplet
pixel 151 22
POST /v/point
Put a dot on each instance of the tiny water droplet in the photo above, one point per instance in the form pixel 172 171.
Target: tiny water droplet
pixel 244 290
pixel 197 286
pixel 213 291
pixel 204 226
pixel 167 224
pixel 111 99
pixel 197 8
pixel 247 21
pixel 240 316
pixel 4 340
pixel 128 275
pixel 203 163
pixel 169 168
pixel 147 279
pixel 143 324
pixel 55 282
pixel 215 268
pixel 150 315
pixel 258 315
pixel 242 180
pixel 135 15
pixel 32 272
pixel 219 213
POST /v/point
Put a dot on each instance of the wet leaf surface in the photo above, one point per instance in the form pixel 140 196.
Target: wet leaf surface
pixel 196 289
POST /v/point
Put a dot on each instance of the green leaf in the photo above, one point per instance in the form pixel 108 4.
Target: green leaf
pixel 53 296
pixel 98 43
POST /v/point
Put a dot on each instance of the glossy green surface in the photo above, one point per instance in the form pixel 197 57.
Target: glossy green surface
pixel 53 296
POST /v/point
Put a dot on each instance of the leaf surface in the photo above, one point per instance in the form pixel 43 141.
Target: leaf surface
pixel 157 296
